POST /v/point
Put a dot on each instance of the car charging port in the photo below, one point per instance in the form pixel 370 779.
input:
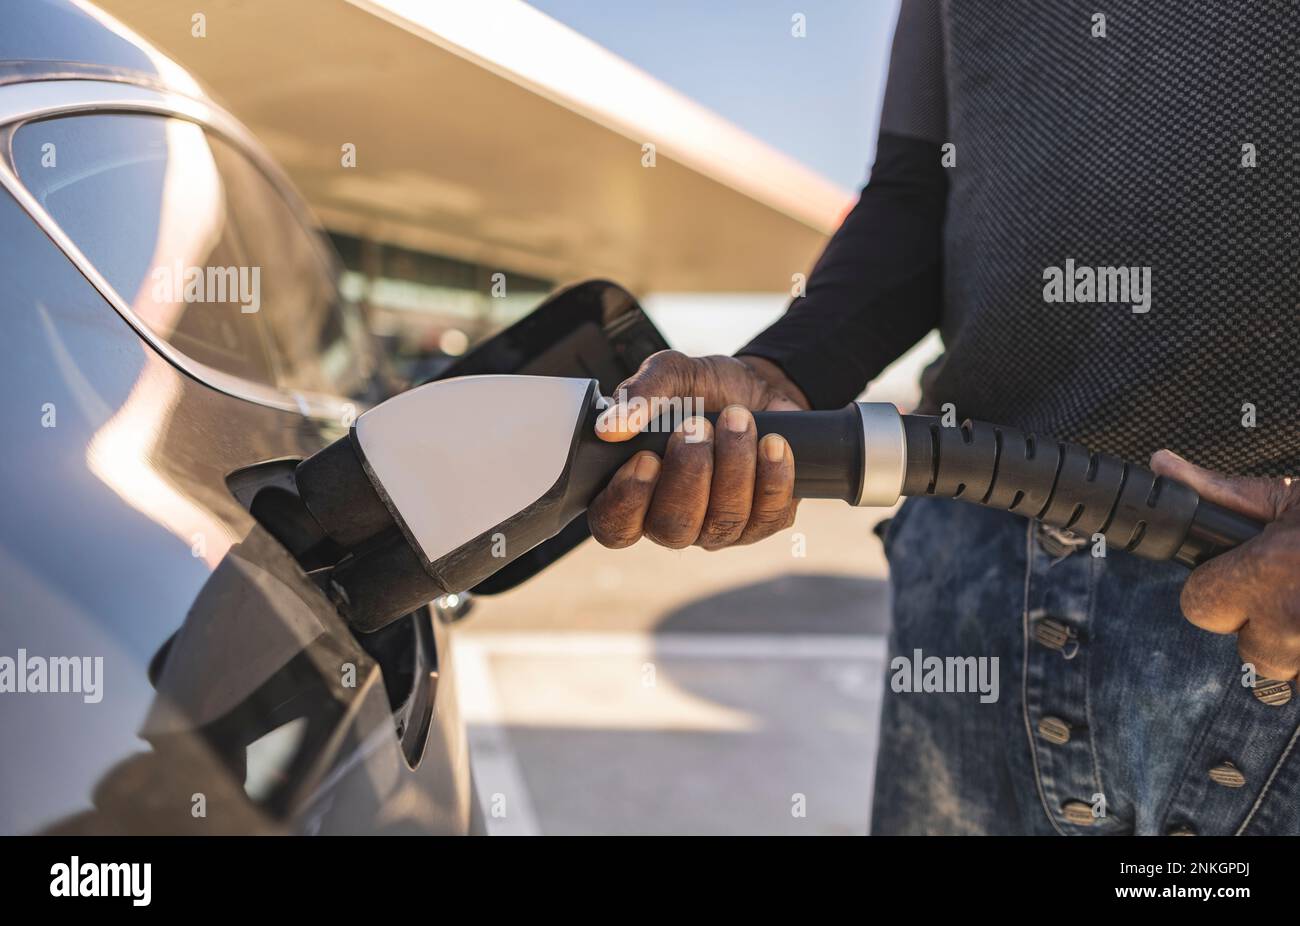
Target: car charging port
pixel 405 650
pixel 269 493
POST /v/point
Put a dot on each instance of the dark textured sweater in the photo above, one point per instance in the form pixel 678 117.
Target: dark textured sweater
pixel 1166 150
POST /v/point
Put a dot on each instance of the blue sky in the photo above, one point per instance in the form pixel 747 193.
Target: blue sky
pixel 816 98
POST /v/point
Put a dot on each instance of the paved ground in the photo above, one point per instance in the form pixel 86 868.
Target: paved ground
pixel 657 691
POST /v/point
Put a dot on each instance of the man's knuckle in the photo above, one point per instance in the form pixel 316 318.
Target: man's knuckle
pixel 668 538
pixel 672 528
pixel 722 529
pixel 726 517
pixel 1279 496
pixel 1291 489
pixel 767 522
pixel 609 535
pixel 619 540
pixel 670 363
pixel 776 488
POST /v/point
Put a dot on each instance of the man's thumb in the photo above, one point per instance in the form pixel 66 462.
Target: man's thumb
pixel 637 399
pixel 1256 496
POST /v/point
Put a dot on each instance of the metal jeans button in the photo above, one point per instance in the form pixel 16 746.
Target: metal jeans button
pixel 1055 635
pixel 1272 691
pixel 1228 775
pixel 1058 543
pixel 1078 812
pixel 1054 730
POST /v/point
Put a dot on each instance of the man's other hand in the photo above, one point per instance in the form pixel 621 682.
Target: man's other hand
pixel 1253 590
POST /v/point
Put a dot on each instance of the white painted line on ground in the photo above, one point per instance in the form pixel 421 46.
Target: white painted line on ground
pixel 679 645
pixel 497 777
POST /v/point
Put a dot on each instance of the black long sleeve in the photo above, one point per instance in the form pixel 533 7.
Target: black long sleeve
pixel 877 288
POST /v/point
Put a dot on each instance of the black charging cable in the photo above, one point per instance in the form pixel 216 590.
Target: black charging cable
pixel 1061 484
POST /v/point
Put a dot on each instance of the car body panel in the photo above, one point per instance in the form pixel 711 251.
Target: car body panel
pixel 232 698
pixel 123 533
pixel 29 102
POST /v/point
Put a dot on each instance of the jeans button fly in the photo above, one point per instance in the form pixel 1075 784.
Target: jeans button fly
pixel 1055 635
pixel 1272 691
pixel 1054 730
pixel 1057 542
pixel 1079 813
pixel 1228 775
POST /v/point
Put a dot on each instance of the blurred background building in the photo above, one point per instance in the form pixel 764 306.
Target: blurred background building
pixel 467 156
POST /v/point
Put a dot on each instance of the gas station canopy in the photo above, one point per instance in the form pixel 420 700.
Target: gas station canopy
pixel 491 133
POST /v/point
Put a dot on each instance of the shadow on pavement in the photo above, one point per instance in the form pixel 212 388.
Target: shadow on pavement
pixel 789 604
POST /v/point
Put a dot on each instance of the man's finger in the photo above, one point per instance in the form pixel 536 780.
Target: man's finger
pixel 682 495
pixel 1255 496
pixel 735 455
pixel 773 490
pixel 1273 654
pixel 662 375
pixel 617 515
pixel 1218 595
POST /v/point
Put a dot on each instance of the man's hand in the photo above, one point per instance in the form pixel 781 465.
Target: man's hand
pixel 1253 590
pixel 716 489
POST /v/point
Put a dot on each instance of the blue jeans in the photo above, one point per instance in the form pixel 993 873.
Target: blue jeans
pixel 1114 715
